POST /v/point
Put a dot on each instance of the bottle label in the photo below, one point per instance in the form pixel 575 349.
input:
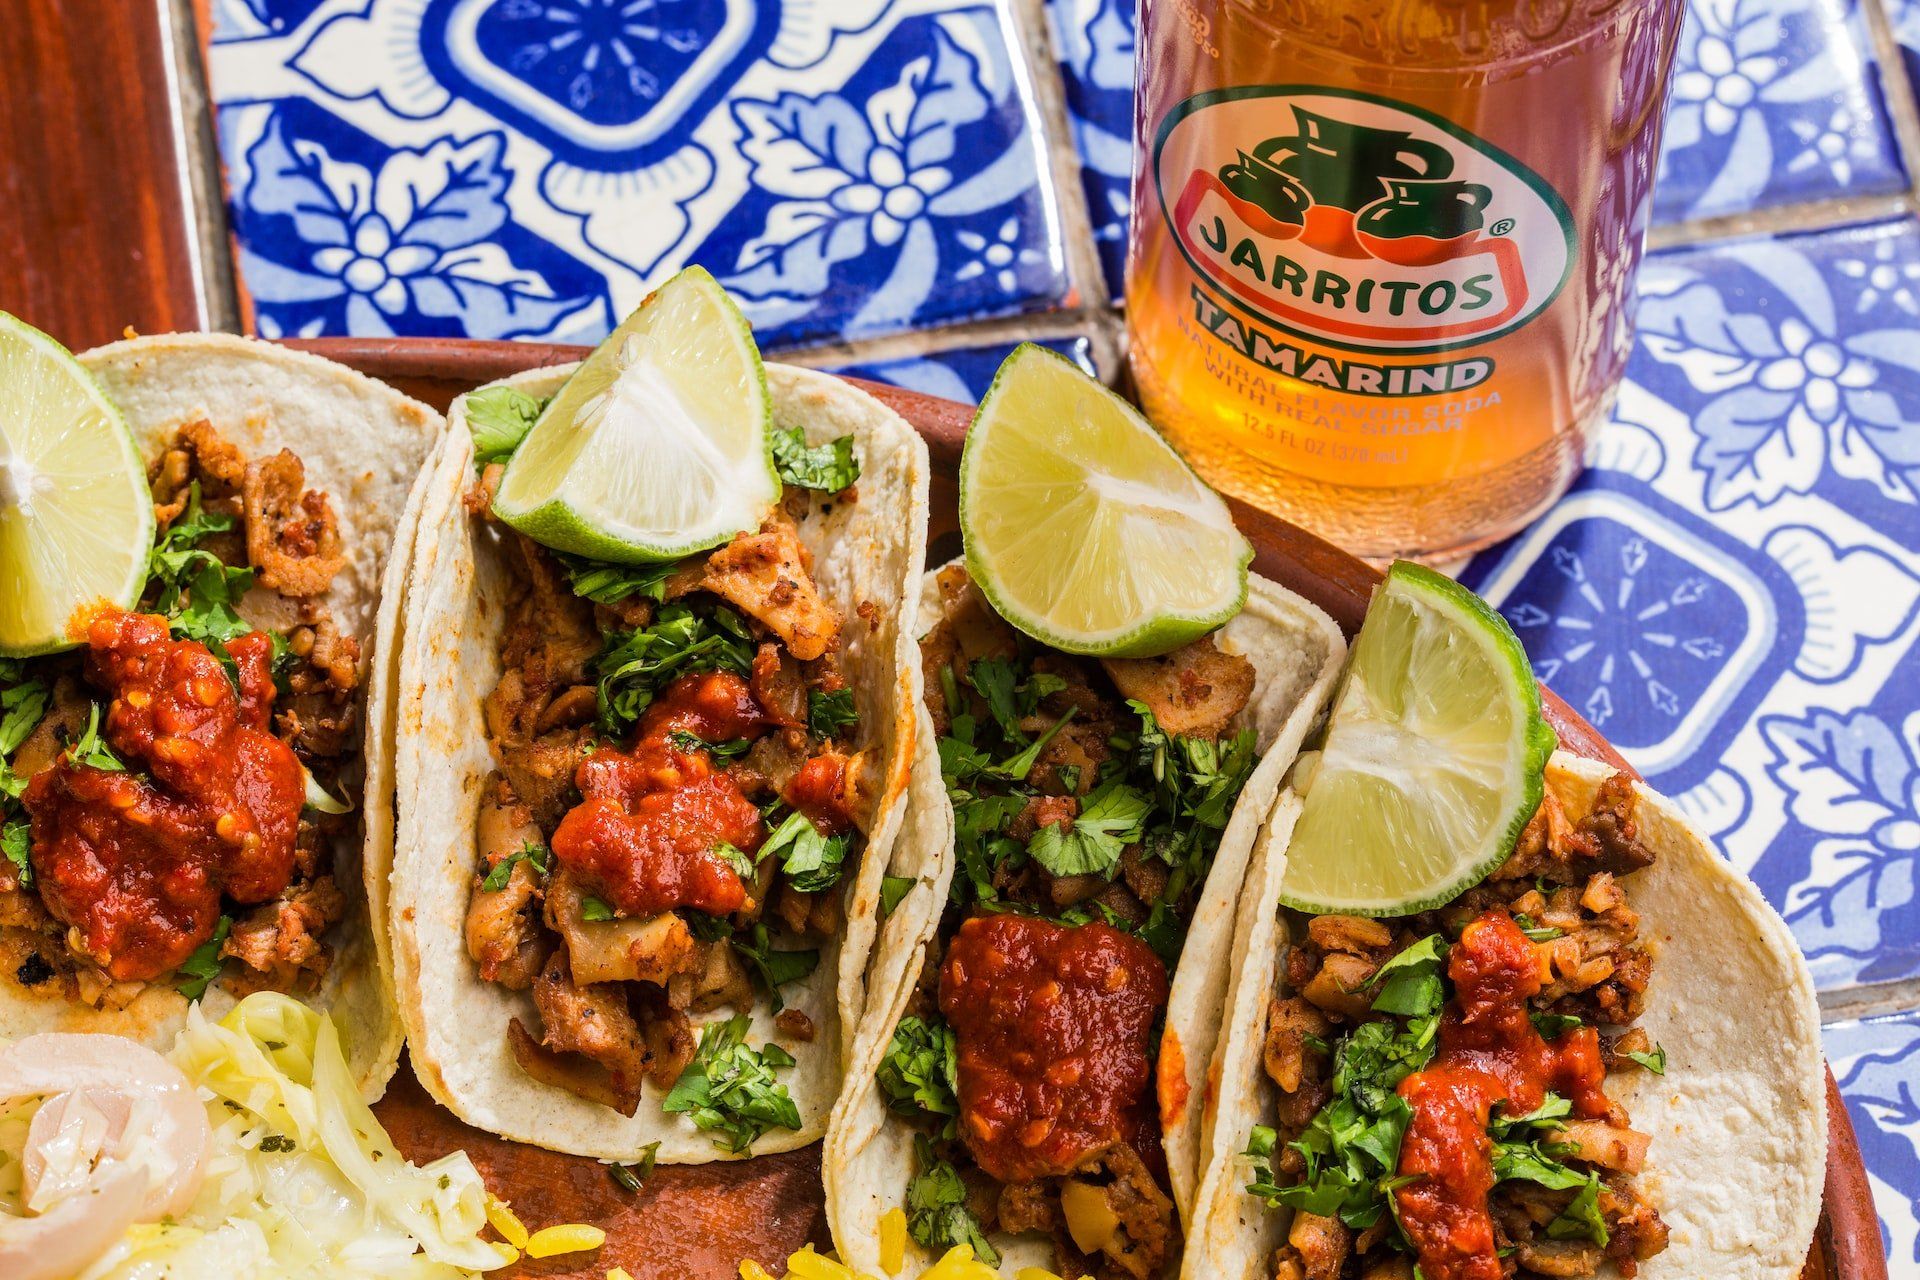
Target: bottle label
pixel 1357 221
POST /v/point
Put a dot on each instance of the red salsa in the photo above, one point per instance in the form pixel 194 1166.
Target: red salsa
pixel 1489 1054
pixel 1054 1026
pixel 136 864
pixel 643 835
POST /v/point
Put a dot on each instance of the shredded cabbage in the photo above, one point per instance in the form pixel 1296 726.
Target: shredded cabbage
pixel 302 1182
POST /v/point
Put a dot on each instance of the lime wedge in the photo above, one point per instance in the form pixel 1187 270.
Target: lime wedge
pixel 1433 757
pixel 659 444
pixel 76 518
pixel 1084 528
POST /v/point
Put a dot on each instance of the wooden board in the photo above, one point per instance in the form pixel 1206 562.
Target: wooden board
pixel 697 1222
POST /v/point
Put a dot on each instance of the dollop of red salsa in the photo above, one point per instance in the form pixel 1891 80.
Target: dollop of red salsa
pixel 643 835
pixel 136 864
pixel 1054 1026
pixel 1489 1054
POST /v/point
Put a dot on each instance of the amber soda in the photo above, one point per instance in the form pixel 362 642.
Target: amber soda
pixel 1380 275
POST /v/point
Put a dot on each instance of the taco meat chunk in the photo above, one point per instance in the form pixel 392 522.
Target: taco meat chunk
pixel 679 789
pixel 1470 1044
pixel 163 766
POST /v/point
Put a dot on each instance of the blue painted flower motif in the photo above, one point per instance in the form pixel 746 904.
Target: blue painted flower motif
pixel 1788 395
pixel 413 245
pixel 1876 1062
pixel 1771 102
pixel 1096 40
pixel 878 182
pixel 960 373
pixel 1853 783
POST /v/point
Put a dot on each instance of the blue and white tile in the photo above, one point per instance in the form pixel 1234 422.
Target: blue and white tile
pixel 1877 1064
pixel 1774 102
pixel 960 373
pixel 1731 592
pixel 848 170
pixel 1095 39
pixel 1903 18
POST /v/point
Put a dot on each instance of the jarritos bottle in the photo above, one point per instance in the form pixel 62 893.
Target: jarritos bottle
pixel 1381 271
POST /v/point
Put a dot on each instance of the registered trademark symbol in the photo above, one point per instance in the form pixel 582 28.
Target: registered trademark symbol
pixel 1502 227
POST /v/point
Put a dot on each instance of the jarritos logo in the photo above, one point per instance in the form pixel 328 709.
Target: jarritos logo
pixel 1365 223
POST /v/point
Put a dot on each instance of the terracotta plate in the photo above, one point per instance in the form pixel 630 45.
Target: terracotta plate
pixel 692 1223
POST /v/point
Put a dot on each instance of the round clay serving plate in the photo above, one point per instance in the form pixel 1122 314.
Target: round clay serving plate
pixel 697 1222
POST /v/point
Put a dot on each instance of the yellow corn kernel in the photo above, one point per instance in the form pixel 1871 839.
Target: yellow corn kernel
pixel 893 1240
pixel 751 1270
pixel 574 1237
pixel 500 1217
pixel 618 1273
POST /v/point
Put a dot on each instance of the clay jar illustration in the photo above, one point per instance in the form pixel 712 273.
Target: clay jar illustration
pixel 1420 223
pixel 1277 193
pixel 1345 168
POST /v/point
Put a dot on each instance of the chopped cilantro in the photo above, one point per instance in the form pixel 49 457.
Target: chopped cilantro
pixel 605 583
pixel 828 713
pixel 203 966
pixel 1111 819
pixel 937 1214
pixel 1655 1061
pixel 277 1142
pixel 1552 1026
pixel 730 749
pixel 921 1070
pixel 91 749
pixel 1536 932
pixel 592 908
pixel 742 862
pixel 1581 1219
pixel 892 890
pixel 534 854
pixel 635 665
pixel 632 1175
pixel 828 467
pixel 16 842
pixel 812 861
pixel 776 968
pixel 499 419
pixel 21 706
pixel 198 591
pixel 1414 988
pixel 729 1088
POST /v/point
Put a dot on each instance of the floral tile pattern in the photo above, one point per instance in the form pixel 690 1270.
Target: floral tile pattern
pixel 1095 42
pixel 503 168
pixel 1774 101
pixel 960 373
pixel 1877 1064
pixel 1731 593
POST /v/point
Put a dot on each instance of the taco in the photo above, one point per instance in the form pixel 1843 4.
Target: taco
pixel 1604 1059
pixel 182 797
pixel 644 811
pixel 1074 892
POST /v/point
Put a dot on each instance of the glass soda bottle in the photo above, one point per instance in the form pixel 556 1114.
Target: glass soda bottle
pixel 1380 274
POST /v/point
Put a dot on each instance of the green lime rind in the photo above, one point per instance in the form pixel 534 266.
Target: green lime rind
pixel 724 481
pixel 1532 744
pixel 1161 629
pixel 121 589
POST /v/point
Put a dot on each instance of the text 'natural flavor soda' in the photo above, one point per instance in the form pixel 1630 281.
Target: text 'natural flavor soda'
pixel 1382 257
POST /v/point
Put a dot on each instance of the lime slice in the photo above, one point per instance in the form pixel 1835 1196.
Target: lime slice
pixel 1084 528
pixel 1433 756
pixel 76 518
pixel 659 444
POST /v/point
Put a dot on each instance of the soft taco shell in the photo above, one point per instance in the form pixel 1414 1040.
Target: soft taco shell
pixel 1296 651
pixel 869 551
pixel 1738 1121
pixel 363 444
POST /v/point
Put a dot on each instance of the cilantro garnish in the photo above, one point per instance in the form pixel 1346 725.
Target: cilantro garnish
pixel 91 749
pixel 828 713
pixel 198 591
pixel 16 843
pixel 592 908
pixel 203 966
pixel 1414 988
pixel 892 890
pixel 632 1175
pixel 811 860
pixel 1654 1061
pixel 635 665
pixel 1552 1026
pixel 737 858
pixel 828 467
pixel 776 968
pixel 1111 819
pixel 22 705
pixel 729 1088
pixel 937 1214
pixel 499 419
pixel 534 854
pixel 605 583
pixel 730 749
pixel 1536 932
pixel 921 1071
pixel 1581 1219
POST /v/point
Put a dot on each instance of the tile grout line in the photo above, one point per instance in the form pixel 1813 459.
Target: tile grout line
pixel 1803 216
pixel 197 164
pixel 1896 86
pixel 1877 1000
